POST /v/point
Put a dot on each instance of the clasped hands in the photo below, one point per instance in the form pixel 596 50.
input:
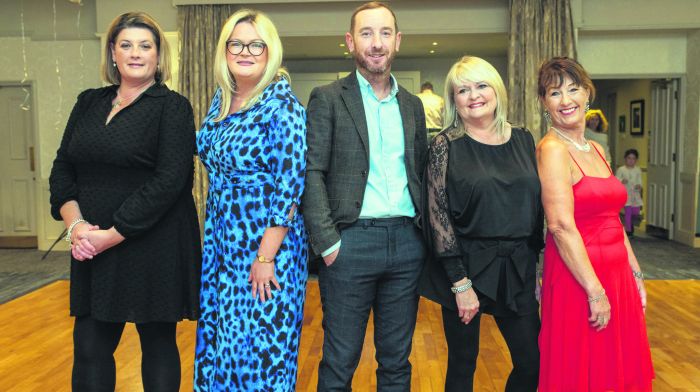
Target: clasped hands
pixel 89 240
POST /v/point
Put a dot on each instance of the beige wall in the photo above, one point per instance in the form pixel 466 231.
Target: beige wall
pixel 51 101
pixel 639 54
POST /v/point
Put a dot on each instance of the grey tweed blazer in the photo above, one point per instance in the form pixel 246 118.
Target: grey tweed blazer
pixel 338 157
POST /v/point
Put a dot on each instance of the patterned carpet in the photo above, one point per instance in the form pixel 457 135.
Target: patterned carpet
pixel 22 270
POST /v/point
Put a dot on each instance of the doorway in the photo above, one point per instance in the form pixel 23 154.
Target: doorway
pixel 644 115
pixel 18 214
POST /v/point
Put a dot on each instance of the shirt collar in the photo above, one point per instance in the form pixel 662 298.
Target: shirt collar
pixel 366 88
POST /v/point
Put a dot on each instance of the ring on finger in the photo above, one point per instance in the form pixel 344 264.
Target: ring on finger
pixel 266 285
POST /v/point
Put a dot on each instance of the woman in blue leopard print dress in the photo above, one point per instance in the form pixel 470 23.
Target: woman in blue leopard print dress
pixel 253 145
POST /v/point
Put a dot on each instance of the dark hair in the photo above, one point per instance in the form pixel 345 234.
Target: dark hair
pixel 632 151
pixel 426 85
pixel 370 6
pixel 553 72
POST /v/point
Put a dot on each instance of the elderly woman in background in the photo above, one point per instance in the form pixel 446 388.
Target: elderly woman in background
pixel 593 299
pixel 484 219
pixel 125 165
pixel 253 144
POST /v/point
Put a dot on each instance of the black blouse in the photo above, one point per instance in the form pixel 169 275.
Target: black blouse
pixel 485 216
pixel 135 174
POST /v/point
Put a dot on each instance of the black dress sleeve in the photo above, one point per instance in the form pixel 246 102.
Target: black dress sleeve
pixel 445 244
pixel 174 165
pixel 62 181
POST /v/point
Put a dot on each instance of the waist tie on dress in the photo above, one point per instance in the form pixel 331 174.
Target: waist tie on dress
pixel 240 180
pixel 485 272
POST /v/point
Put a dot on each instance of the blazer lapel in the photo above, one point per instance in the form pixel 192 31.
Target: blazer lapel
pixel 353 101
pixel 409 129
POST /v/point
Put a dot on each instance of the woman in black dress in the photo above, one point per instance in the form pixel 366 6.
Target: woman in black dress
pixel 121 183
pixel 484 220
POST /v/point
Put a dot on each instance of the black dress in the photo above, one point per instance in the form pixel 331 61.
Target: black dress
pixel 135 174
pixel 483 220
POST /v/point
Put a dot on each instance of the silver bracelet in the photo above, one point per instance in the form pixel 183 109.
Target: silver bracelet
pixel 462 288
pixel 69 232
pixel 638 274
pixel 597 297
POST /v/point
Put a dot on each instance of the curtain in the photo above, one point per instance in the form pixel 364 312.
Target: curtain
pixel 539 30
pixel 199 27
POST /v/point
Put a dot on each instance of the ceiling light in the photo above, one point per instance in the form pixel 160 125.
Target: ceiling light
pixel 432 51
pixel 341 45
pixel 346 53
pixel 434 43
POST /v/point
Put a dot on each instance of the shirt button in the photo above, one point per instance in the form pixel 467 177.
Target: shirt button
pixel 364 173
pixel 358 204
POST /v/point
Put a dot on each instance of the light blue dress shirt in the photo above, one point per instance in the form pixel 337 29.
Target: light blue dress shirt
pixel 386 194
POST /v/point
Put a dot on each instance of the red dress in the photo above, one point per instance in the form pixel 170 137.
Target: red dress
pixel 574 356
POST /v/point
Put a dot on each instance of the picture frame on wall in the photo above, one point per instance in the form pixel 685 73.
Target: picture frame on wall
pixel 637 117
pixel 621 124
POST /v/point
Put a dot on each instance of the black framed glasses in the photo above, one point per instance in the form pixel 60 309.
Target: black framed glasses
pixel 255 48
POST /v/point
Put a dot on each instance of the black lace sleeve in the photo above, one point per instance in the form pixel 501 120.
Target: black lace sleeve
pixel 444 240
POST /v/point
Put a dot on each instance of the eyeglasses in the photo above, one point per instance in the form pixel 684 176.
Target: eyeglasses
pixel 255 48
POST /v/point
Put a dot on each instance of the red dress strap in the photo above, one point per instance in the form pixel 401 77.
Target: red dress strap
pixel 579 166
pixel 601 157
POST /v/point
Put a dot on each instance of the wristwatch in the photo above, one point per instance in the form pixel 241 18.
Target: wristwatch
pixel 262 259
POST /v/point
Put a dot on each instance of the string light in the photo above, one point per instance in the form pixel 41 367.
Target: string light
pixel 27 94
pixel 59 106
pixel 80 38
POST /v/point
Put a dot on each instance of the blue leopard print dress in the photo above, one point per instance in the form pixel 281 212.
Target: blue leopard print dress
pixel 256 162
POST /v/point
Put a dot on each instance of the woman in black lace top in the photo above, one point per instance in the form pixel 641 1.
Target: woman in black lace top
pixel 122 184
pixel 484 220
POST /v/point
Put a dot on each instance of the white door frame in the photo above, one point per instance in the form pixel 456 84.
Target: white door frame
pixel 33 123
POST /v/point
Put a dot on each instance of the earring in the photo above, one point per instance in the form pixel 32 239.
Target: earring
pixel 588 106
pixel 546 115
pixel 114 64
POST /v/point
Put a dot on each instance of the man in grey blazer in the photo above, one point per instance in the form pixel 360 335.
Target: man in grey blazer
pixel 367 148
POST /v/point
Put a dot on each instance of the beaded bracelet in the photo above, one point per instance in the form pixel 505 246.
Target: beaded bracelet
pixel 69 232
pixel 462 288
pixel 638 274
pixel 597 297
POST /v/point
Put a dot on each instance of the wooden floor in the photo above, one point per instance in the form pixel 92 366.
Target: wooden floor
pixel 36 345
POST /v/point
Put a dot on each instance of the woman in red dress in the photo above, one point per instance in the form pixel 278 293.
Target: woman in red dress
pixel 593 335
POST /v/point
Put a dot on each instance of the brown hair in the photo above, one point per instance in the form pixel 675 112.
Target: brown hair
pixel 370 6
pixel 110 73
pixel 553 72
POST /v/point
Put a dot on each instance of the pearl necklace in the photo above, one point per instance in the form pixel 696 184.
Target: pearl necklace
pixel 585 147
pixel 119 100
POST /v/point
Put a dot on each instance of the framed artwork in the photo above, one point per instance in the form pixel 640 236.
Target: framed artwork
pixel 621 124
pixel 637 117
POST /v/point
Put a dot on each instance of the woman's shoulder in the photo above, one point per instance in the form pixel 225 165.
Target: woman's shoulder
pixel 281 92
pixel 520 132
pixel 93 93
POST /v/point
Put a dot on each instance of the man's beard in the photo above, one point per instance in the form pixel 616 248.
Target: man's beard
pixel 364 63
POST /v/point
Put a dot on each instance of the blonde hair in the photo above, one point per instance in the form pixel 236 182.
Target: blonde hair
pixel 110 73
pixel 273 69
pixel 474 69
pixel 602 124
